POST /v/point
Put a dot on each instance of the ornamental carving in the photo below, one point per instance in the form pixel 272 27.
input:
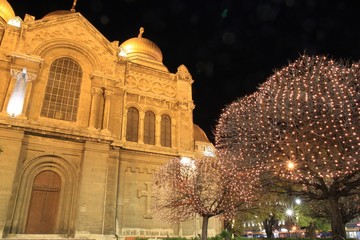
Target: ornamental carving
pixel 108 93
pixel 131 81
pixel 151 84
pixel 144 85
pixel 77 35
pixel 96 90
pixel 157 88
pixel 170 91
pixel 183 73
pixel 17 73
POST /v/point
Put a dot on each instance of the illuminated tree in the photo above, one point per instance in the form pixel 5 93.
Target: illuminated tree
pixel 265 212
pixel 301 126
pixel 208 187
pixel 349 207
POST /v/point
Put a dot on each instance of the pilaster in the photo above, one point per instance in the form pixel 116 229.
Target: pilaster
pixel 96 95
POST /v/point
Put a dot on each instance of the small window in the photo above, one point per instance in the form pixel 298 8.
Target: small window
pixel 149 128
pixel 165 131
pixel 62 90
pixel 132 127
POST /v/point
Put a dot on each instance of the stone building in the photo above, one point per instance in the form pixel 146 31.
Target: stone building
pixel 84 124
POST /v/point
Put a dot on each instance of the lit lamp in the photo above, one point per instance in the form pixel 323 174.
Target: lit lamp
pixel 290 165
pixel 186 161
pixel 187 165
pixel 16 102
pixel 289 212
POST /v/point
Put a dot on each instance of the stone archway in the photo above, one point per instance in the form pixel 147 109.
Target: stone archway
pixel 52 176
pixel 44 203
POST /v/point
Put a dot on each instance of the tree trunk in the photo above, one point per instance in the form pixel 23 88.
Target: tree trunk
pixel 268 228
pixel 205 223
pixel 337 225
pixel 269 223
pixel 312 230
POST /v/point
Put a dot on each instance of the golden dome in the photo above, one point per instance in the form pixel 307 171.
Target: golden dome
pixel 199 134
pixel 6 11
pixel 57 13
pixel 141 47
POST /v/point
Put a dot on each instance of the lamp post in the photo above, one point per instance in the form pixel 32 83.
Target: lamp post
pixel 289 212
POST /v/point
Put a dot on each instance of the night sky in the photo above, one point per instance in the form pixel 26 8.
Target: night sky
pixel 229 47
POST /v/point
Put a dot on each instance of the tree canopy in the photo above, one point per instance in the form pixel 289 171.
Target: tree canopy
pixel 208 187
pixel 302 126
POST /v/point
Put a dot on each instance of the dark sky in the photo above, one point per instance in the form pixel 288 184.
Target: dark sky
pixel 229 47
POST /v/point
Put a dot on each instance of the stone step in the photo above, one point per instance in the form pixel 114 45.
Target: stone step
pixel 44 237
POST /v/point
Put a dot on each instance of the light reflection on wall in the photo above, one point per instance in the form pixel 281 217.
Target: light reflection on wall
pixel 16 22
pixel 17 98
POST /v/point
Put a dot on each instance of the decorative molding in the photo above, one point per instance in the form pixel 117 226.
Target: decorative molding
pixel 96 90
pixel 148 194
pixel 183 74
pixel 151 84
pixel 140 170
pixel 16 73
pixel 108 93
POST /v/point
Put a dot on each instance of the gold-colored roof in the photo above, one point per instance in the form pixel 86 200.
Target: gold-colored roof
pixel 200 135
pixel 6 11
pixel 57 13
pixel 141 47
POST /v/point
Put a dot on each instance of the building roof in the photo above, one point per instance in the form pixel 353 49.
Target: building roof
pixel 199 134
pixel 141 47
pixel 57 13
pixel 6 11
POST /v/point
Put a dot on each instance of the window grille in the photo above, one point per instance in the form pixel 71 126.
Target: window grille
pixel 62 92
pixel 165 139
pixel 132 127
pixel 149 128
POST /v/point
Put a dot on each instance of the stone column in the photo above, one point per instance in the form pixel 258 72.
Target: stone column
pixel 11 159
pixel 30 79
pixel 107 108
pixel 91 214
pixel 157 130
pixel 96 93
pixel 123 134
pixel 8 94
pixel 173 128
pixel 141 127
pixel 19 87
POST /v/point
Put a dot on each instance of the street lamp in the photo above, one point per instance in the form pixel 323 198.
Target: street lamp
pixel 289 212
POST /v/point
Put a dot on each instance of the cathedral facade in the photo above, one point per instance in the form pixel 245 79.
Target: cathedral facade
pixel 84 124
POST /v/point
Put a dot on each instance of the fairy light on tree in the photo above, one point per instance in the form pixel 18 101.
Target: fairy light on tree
pixel 308 114
pixel 208 187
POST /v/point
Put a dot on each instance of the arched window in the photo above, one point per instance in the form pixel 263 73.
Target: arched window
pixel 165 138
pixel 149 128
pixel 62 92
pixel 132 125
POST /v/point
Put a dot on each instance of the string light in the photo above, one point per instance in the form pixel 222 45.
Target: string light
pixel 291 115
pixel 307 114
pixel 207 187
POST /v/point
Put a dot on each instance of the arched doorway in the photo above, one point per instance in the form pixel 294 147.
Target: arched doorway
pixel 44 203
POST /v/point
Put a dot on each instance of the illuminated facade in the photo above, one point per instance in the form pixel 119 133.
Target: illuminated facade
pixel 84 124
